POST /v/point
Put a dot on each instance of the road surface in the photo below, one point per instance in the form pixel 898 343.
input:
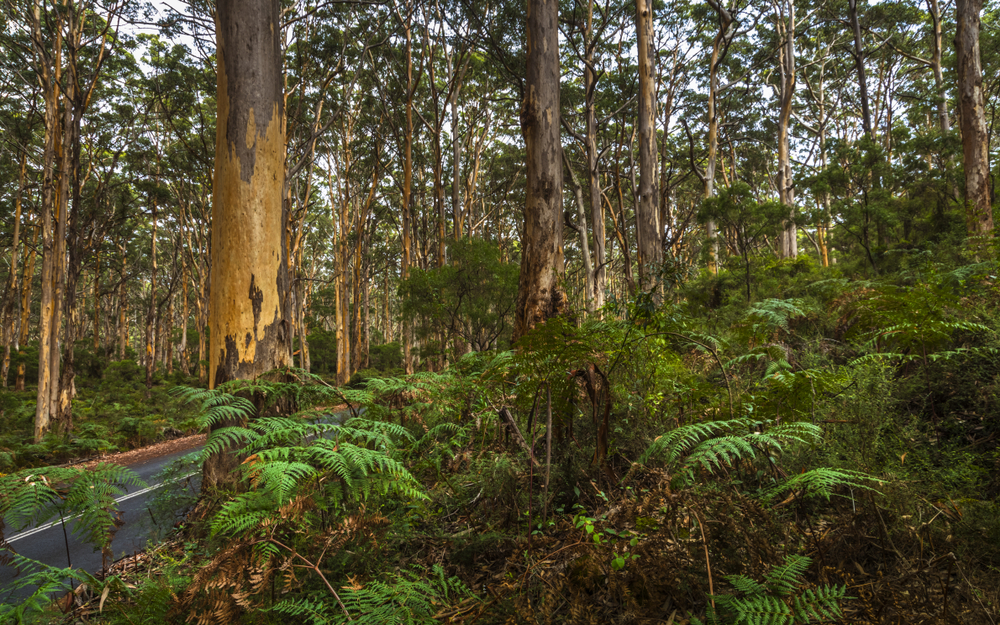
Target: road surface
pixel 147 513
pixel 47 542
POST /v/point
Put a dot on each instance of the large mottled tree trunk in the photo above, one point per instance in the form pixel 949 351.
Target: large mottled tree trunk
pixel 649 238
pixel 249 316
pixel 786 190
pixel 539 296
pixel 972 113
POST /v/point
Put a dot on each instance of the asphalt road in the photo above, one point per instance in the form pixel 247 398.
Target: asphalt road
pixel 147 514
pixel 47 542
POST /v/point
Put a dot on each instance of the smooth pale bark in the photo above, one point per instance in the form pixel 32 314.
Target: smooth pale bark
pixel 49 71
pixel 590 79
pixel 785 183
pixel 649 239
pixel 581 230
pixel 249 313
pixel 539 295
pixel 972 115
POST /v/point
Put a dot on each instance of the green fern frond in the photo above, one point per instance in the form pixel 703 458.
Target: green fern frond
pixel 779 600
pixel 45 581
pixel 822 482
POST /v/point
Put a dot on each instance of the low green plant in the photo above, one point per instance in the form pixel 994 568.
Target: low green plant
pixel 414 598
pixel 780 599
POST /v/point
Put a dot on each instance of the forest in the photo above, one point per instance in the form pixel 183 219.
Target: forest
pixel 484 312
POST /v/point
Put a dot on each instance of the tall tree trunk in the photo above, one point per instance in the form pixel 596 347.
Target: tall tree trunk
pixel 649 238
pixel 727 28
pixel 590 79
pixel 150 352
pixel 539 296
pixel 937 43
pixel 859 66
pixel 185 315
pixel 407 192
pixel 11 290
pixel 50 77
pixel 581 230
pixel 22 328
pixel 97 302
pixel 972 113
pixel 248 313
pixel 786 190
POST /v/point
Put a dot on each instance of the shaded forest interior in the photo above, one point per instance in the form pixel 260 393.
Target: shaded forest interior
pixel 628 312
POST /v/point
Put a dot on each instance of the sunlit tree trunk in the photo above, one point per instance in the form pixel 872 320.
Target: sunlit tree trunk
pixel 539 296
pixel 248 314
pixel 972 113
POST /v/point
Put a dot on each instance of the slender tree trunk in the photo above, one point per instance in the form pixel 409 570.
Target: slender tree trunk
pixel 150 352
pixel 539 296
pixel 50 79
pixel 185 315
pixel 407 192
pixel 726 31
pixel 649 238
pixel 22 328
pixel 581 230
pixel 249 312
pixel 972 113
pixel 786 189
pixel 859 65
pixel 11 290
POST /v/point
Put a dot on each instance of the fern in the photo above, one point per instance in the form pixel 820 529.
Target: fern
pixel 38 495
pixel 778 600
pixel 413 599
pixel 46 581
pixel 822 482
pixel 716 444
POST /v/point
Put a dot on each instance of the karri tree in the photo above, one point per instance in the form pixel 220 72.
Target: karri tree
pixel 539 295
pixel 249 311
pixel 972 113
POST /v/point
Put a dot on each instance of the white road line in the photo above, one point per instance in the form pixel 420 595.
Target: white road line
pixel 42 528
